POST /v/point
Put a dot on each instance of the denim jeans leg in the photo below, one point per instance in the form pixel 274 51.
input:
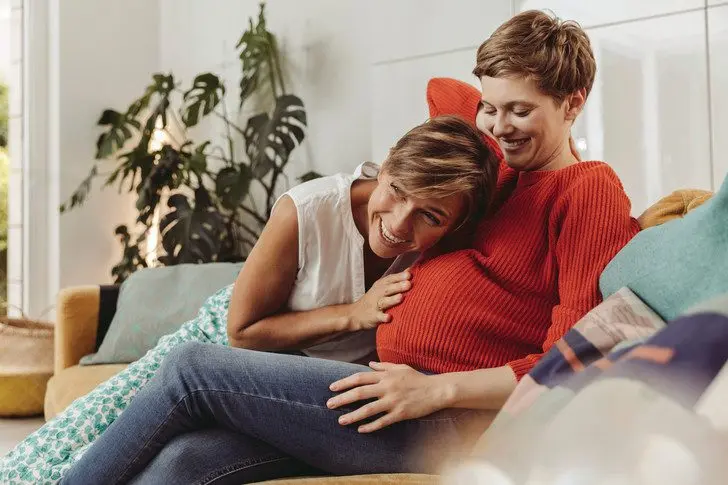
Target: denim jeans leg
pixel 277 399
pixel 220 457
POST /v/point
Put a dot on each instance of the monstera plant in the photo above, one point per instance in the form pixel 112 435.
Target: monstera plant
pixel 210 199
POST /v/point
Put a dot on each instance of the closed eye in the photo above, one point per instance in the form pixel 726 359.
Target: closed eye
pixel 431 219
pixel 487 108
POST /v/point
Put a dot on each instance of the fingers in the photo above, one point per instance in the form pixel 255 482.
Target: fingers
pixel 396 278
pixel 383 365
pixel 358 379
pixel 366 411
pixel 386 420
pixel 387 302
pixel 353 395
pixel 384 317
pixel 399 287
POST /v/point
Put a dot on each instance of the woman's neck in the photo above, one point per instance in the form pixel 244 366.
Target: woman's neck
pixel 562 158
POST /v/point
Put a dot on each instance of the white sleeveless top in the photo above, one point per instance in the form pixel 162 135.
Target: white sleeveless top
pixel 331 257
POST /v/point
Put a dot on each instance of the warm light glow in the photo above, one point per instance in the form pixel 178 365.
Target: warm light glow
pixel 159 137
pixel 153 239
pixel 581 144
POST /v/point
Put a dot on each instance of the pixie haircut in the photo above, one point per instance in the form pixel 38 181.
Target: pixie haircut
pixel 556 55
pixel 442 157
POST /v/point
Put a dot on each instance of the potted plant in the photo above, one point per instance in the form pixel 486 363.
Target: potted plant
pixel 211 200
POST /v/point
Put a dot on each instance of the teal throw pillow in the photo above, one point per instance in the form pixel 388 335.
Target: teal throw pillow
pixel 155 302
pixel 677 265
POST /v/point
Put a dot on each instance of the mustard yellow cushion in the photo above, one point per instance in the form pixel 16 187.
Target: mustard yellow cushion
pixel 674 206
pixel 71 383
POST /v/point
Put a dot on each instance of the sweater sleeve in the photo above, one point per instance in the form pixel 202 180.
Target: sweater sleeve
pixel 593 225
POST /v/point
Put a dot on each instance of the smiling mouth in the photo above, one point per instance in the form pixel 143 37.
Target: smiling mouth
pixel 513 143
pixel 388 236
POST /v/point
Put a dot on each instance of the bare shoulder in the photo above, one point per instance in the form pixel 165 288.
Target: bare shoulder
pixel 284 214
pixel 278 243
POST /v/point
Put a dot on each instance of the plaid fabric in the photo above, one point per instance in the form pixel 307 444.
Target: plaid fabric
pixel 651 411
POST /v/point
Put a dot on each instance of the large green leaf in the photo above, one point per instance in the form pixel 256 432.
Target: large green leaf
pixel 270 140
pixel 232 185
pixel 119 131
pixel 191 234
pixel 197 161
pixel 138 161
pixel 202 98
pixel 166 173
pixel 131 259
pixel 259 51
pixel 121 125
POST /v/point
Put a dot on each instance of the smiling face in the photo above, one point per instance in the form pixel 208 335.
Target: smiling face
pixel 536 72
pixel 400 223
pixel 531 127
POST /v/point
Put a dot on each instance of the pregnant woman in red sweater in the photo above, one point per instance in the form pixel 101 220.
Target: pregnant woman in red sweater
pixel 474 322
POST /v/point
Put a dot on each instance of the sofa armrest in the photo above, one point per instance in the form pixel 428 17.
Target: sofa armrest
pixel 76 325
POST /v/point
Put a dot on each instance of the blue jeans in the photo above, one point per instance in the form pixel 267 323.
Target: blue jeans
pixel 215 414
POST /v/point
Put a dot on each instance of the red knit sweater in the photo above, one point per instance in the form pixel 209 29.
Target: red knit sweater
pixel 532 272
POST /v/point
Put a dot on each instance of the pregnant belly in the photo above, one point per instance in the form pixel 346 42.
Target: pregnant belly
pixel 443 319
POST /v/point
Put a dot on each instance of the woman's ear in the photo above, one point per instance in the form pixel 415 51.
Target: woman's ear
pixel 575 103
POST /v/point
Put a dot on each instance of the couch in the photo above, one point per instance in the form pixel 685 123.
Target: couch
pixel 84 314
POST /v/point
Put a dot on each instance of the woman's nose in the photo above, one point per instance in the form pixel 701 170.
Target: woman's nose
pixel 400 222
pixel 501 127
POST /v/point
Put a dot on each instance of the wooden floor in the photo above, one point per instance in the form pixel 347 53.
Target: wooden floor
pixel 12 431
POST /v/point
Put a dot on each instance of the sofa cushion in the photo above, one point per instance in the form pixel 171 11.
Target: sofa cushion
pixel 74 382
pixel 154 302
pixel 674 206
pixel 677 265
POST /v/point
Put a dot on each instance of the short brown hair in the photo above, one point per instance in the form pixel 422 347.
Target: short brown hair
pixel 442 157
pixel 556 55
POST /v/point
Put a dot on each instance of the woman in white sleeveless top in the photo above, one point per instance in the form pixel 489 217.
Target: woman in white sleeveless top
pixel 334 254
pixel 308 285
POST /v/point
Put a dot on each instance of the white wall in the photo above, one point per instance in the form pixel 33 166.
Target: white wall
pixel 106 53
pixel 326 48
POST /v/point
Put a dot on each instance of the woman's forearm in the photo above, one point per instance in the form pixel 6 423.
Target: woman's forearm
pixel 294 330
pixel 478 389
